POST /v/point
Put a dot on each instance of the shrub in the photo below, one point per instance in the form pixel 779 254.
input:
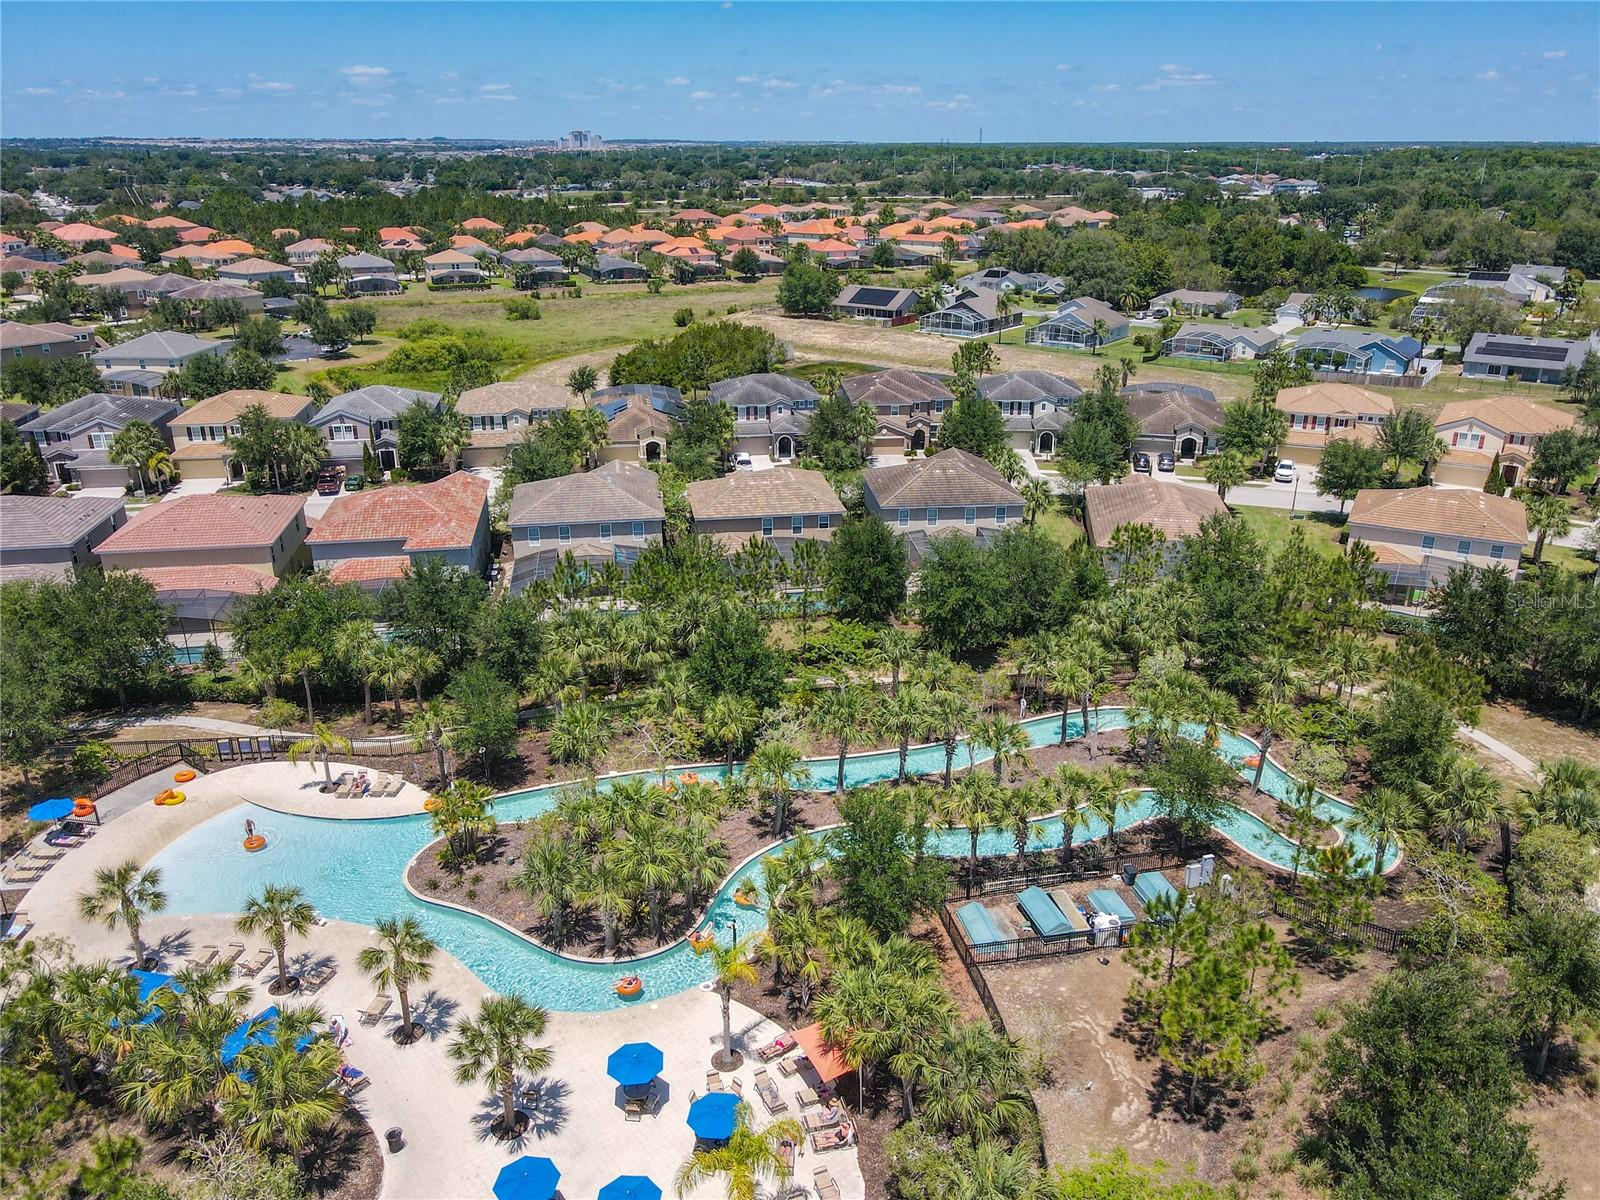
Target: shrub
pixel 1403 623
pixel 93 760
pixel 522 308
pixel 423 327
pixel 683 318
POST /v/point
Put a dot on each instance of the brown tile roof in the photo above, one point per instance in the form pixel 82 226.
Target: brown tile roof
pixel 80 232
pixel 1174 509
pixel 1334 400
pixel 481 223
pixel 636 418
pixel 27 266
pixel 515 395
pixel 432 516
pixel 949 478
pixel 221 577
pixel 1364 432
pixel 614 491
pixel 170 223
pixel 1508 414
pixel 37 522
pixel 226 406
pixel 781 491
pixel 897 385
pixel 1457 512
pixel 215 522
pixel 381 568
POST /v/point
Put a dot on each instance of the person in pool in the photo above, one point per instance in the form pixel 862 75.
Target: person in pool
pixel 249 828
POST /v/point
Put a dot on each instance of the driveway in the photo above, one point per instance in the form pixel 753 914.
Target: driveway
pixel 1299 496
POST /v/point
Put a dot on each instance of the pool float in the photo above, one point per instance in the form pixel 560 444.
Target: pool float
pixel 183 776
pixel 747 897
pixel 255 842
pixel 629 985
pixel 83 807
pixel 690 777
pixel 169 797
pixel 699 941
pixel 431 803
pixel 1253 761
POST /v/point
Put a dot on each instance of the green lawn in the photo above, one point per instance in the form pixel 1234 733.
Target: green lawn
pixel 1060 526
pixel 812 371
pixel 1568 558
pixel 1271 526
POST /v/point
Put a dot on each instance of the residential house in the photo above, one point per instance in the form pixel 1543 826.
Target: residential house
pixel 1189 300
pixel 51 340
pixel 973 313
pixel 202 554
pixel 216 254
pixel 77 234
pixel 200 432
pixel 1527 283
pixel 306 251
pixel 16 412
pixel 638 420
pixel 1173 510
pixel 1529 359
pixel 1420 535
pixel 170 222
pixel 950 492
pixel 132 383
pixel 16 264
pixel 1179 419
pixel 895 305
pixel 1036 406
pixel 369 275
pixel 1477 431
pixel 608 268
pixel 1218 343
pixel 532 267
pixel 483 223
pixel 1320 413
pixel 256 271
pixel 500 414
pixel 212 291
pixel 909 406
pixel 782 506
pixel 770 412
pixel 609 514
pixel 454 268
pixel 104 260
pixel 476 247
pixel 373 538
pixel 368 417
pixel 1358 352
pixel 695 216
pixel 700 257
pixel 49 537
pixel 739 237
pixel 1073 325
pixel 196 234
pixel 164 350
pixel 75 438
pixel 1002 279
pixel 1292 308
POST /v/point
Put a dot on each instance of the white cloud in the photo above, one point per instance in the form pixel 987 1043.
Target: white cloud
pixel 748 79
pixel 230 92
pixel 1487 75
pixel 495 87
pixel 1108 87
pixel 1172 75
pixel 36 91
pixel 1555 54
pixel 507 96
pixel 1065 67
pixel 677 81
pixel 271 85
pixel 961 100
pixel 702 95
pixel 772 81
pixel 901 89
pixel 362 71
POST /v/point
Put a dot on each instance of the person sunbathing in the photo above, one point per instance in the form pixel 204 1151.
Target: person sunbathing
pixel 834 1137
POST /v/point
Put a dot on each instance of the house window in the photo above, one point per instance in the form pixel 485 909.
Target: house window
pixel 933 516
pixel 1463 547
pixel 533 534
pixel 797 525
pixel 894 410
pixel 822 520
pixel 563 534
pixel 638 529
pixel 905 516
pixel 342 433
pixel 99 441
pixel 1427 541
pixel 999 514
pixel 766 526
pixel 971 515
pixel 938 406
pixel 1497 552
pixel 605 531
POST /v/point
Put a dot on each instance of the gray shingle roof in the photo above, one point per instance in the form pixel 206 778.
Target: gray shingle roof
pixel 376 402
pixel 764 388
pixel 898 385
pixel 1160 408
pixel 214 289
pixel 40 522
pixel 949 478
pixel 165 344
pixel 365 262
pixel 616 491
pixel 98 406
pixel 1026 387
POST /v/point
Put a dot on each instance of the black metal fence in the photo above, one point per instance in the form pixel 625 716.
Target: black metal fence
pixel 1004 875
pixel 1384 938
pixel 974 972
pixel 161 754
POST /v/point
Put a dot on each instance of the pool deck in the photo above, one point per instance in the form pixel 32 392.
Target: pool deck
pixel 576 1118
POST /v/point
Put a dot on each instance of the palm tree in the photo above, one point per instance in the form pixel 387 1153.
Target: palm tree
pixel 970 805
pixel 322 742
pixel 421 664
pixel 300 662
pixel 429 728
pixel 776 768
pixel 357 644
pixel 122 895
pixel 1275 719
pixel 1349 662
pixel 606 888
pixel 1068 789
pixel 403 954
pixel 1548 516
pixel 1005 740
pixel 134 445
pixel 1005 304
pixel 1568 794
pixel 1226 471
pixel 1431 456
pixel 896 648
pixel 1103 798
pixel 1013 812
pixel 747 1157
pixel 904 712
pixel 581 733
pixel 389 672
pixel 1084 659
pixel 1037 498
pixel 549 873
pixel 1102 331
pixel 982 1088
pixel 175 1069
pixel 729 720
pixel 279 911
pixel 280 1096
pixel 948 713
pixel 651 858
pixel 461 814
pixel 730 966
pixel 1129 369
pixel 497 1044
pixel 1384 814
pixel 161 468
pixel 840 715
pixel 1465 802
pixel 582 380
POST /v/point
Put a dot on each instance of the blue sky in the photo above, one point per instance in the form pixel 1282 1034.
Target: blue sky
pixel 864 71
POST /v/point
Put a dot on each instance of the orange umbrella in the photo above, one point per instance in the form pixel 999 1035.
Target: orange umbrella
pixel 826 1059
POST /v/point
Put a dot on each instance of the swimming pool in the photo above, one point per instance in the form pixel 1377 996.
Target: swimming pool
pixel 353 870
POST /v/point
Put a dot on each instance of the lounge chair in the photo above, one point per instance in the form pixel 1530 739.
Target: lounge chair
pixel 822 1179
pixel 833 1139
pixel 19 928
pixel 777 1048
pixel 807 1096
pixel 790 1067
pixel 768 1091
pixel 317 978
pixel 396 785
pixel 342 785
pixel 352 1079
pixel 817 1122
pixel 225 749
pixel 737 1085
pixel 235 951
pixel 373 1012
pixel 204 956
pixel 713 1082
pixel 634 1109
pixel 252 966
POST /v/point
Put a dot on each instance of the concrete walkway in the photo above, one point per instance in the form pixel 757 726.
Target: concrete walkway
pixel 1498 748
pixel 576 1118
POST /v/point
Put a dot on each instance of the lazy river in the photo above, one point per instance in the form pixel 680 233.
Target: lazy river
pixel 352 870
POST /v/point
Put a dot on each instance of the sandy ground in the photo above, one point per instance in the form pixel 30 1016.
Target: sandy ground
pixel 551 377
pixel 841 340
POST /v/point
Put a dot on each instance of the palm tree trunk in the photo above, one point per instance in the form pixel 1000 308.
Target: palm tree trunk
pixel 138 942
pixel 1063 739
pixel 780 807
pixel 327 765
pixel 438 749
pixel 1261 764
pixel 311 717
pixel 949 759
pixel 283 966
pixel 844 749
pixel 1379 849
pixel 727 1024
pixel 405 1012
pixel 366 703
pixel 609 921
pixel 1088 729
pixel 1544 1046
pixel 395 696
pixel 905 746
pixel 508 1103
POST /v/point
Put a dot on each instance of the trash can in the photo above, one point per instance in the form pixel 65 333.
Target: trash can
pixel 393 1136
pixel 1129 873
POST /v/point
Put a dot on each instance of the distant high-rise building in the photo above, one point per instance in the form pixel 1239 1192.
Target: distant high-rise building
pixel 583 139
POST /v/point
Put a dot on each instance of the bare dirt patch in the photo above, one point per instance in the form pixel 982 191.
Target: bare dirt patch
pixel 1537 736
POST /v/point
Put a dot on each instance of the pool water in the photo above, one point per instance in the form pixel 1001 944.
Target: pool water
pixel 352 870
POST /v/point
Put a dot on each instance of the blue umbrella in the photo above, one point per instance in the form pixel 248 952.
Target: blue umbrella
pixel 528 1178
pixel 712 1116
pixel 630 1187
pixel 634 1064
pixel 50 810
pixel 261 1029
pixel 149 983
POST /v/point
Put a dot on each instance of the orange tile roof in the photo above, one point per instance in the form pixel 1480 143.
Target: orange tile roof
pixel 832 246
pixel 118 250
pixel 220 577
pixel 1334 399
pixel 390 233
pixel 214 522
pixel 226 406
pixel 824 227
pixel 381 568
pixel 1455 511
pixel 584 237
pixel 196 233
pixel 469 244
pixel 1508 414
pixel 695 214
pixel 481 223
pixel 588 227
pixel 520 238
pixel 285 231
pixel 79 233
pixel 123 219
pixel 747 234
pixel 430 516
pixel 170 223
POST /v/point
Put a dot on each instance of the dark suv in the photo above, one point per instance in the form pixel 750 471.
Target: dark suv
pixel 329 481
pixel 1141 462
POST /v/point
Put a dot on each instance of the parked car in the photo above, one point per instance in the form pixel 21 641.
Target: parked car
pixel 329 481
pixel 740 461
pixel 355 483
pixel 1166 463
pixel 1141 461
pixel 1284 471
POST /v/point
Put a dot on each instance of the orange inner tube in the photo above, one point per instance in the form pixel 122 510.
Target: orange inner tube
pixel 165 797
pixel 629 985
pixel 431 803
pixel 698 940
pixel 1253 761
pixel 83 807
pixel 183 776
pixel 691 777
pixel 255 842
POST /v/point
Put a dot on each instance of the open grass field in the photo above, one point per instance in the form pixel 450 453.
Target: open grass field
pixel 1272 525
